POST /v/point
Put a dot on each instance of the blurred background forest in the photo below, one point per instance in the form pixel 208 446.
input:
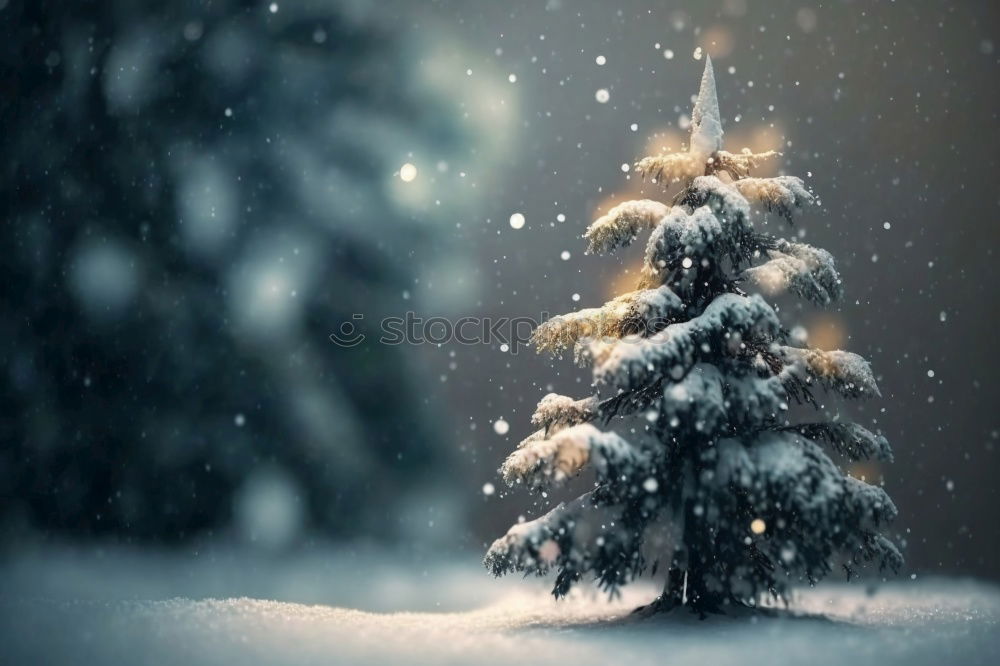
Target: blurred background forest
pixel 196 194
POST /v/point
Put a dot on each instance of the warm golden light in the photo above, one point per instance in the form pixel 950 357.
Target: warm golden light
pixel 667 140
pixel 717 41
pixel 867 470
pixel 627 280
pixel 826 332
pixel 758 139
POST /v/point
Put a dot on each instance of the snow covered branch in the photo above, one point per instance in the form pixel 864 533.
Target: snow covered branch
pixel 784 195
pixel 709 403
pixel 620 225
pixel 717 229
pixel 841 371
pixel 556 410
pixel 848 439
pixel 809 510
pixel 671 167
pixel 535 546
pixel 876 548
pixel 753 402
pixel 804 270
pixel 559 540
pixel 696 402
pixel 869 504
pixel 566 453
pixel 721 328
pixel 680 241
pixel 738 165
pixel 592 352
pixel 639 312
pixel 723 198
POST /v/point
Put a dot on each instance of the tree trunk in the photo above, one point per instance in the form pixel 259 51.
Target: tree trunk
pixel 684 588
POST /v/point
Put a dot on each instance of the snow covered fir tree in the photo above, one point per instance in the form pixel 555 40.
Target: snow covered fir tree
pixel 709 474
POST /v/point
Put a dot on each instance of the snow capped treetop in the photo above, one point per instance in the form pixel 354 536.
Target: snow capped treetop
pixel 705 155
pixel 706 122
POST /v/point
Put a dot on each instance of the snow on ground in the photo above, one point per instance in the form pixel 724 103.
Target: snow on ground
pixel 113 608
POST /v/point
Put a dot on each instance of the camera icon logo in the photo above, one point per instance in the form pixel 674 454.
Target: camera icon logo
pixel 348 335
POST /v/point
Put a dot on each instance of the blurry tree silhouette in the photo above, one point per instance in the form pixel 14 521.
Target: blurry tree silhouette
pixel 196 195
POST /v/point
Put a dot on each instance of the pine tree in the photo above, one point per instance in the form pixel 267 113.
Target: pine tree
pixel 749 501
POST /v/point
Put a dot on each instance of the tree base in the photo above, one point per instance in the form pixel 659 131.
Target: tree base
pixel 665 604
pixel 679 592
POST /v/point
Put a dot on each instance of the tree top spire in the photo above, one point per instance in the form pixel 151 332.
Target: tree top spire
pixel 706 122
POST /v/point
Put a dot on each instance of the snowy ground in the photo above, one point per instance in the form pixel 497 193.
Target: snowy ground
pixel 128 608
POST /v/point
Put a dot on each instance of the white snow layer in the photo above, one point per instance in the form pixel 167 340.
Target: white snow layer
pixel 925 622
pixel 784 195
pixel 630 365
pixel 563 455
pixel 555 409
pixel 620 225
pixel 634 312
